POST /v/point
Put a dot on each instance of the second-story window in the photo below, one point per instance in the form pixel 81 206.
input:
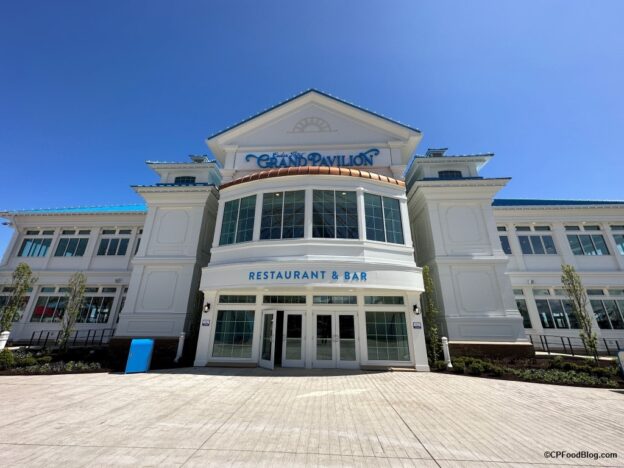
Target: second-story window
pixel 35 244
pixel 71 244
pixel 504 239
pixel 383 219
pixel 283 215
pixel 536 244
pixel 238 220
pixel 184 180
pixel 587 244
pixel 114 242
pixel 618 237
pixel 334 214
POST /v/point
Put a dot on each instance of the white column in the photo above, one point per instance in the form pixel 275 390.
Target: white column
pixel 362 213
pixel 307 234
pixel 217 232
pixel 206 325
pixel 257 219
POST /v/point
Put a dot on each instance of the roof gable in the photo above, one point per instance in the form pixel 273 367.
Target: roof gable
pixel 314 120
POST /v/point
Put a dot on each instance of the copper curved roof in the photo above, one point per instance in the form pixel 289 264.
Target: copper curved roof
pixel 313 170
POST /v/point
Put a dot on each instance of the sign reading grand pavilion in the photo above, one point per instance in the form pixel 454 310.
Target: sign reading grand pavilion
pixel 295 158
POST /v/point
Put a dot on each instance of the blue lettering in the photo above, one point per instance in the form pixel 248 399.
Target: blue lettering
pixel 322 274
pixel 265 275
pixel 314 159
pixel 363 276
pixel 296 274
pixel 346 276
pixel 287 274
pixel 279 275
pixel 305 275
pixel 294 158
pixel 355 276
pixel 314 275
pixel 251 275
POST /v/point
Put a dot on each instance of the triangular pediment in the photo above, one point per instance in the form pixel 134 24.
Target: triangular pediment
pixel 313 121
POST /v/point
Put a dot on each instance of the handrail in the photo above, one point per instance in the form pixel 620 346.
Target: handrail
pixel 573 344
pixel 94 337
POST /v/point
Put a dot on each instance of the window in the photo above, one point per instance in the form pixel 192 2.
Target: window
pixel 34 247
pixel 334 215
pixel 237 299
pixel 386 336
pixel 71 246
pixel 588 244
pixel 283 215
pixel 4 300
pixel 383 219
pixel 238 220
pixel 284 299
pixel 233 334
pixel 504 240
pixel 524 311
pixel 184 180
pixel 385 300
pixel 334 300
pixel 450 174
pixel 609 313
pixel 96 309
pixel 138 241
pixel 618 238
pixel 556 313
pixel 537 245
pixel 49 309
pixel 114 245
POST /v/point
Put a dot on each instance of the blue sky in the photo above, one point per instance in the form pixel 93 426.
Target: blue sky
pixel 90 90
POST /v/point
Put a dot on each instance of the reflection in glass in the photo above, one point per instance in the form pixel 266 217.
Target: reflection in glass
pixel 324 338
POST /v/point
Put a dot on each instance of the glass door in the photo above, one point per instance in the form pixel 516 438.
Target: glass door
pixel 267 344
pixel 324 353
pixel 346 340
pixel 293 342
pixel 335 341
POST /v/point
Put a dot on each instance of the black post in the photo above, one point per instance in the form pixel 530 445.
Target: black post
pixel 607 346
pixel 571 348
pixel 564 346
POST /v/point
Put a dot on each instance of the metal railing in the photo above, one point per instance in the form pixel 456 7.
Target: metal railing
pixel 574 345
pixel 92 337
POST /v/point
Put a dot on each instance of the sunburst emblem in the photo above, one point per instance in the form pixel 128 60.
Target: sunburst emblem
pixel 311 125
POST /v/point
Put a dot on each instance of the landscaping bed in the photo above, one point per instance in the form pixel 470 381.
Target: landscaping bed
pixel 24 361
pixel 555 370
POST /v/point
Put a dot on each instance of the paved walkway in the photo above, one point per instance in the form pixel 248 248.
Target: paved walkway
pixel 222 417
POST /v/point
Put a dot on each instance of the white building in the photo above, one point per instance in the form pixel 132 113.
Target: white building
pixel 302 245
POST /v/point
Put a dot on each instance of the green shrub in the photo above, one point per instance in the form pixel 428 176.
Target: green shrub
pixel 458 365
pixel 475 367
pixel 25 360
pixel 439 366
pixel 7 360
pixel 45 359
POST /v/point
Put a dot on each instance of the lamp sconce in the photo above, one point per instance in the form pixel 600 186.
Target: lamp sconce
pixel 206 308
pixel 416 310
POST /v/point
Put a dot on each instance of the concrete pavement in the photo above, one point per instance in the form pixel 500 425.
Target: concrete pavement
pixel 250 417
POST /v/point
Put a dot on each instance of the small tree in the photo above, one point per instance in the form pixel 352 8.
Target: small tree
pixel 575 291
pixel 21 283
pixel 430 318
pixel 74 299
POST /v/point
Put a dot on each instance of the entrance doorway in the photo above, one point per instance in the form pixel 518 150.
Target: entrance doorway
pixel 282 342
pixel 334 341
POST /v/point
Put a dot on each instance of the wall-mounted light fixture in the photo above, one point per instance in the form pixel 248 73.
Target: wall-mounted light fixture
pixel 206 308
pixel 416 309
